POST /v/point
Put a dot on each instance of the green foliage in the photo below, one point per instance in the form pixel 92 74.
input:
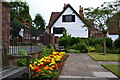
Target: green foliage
pixel 68 41
pixel 117 43
pixel 69 47
pixel 90 49
pixel 44 51
pixel 101 17
pixel 22 62
pixel 109 42
pixel 115 51
pixel 52 48
pixel 81 46
pixel 98 48
pixel 64 41
pixel 74 40
pixel 73 51
pixel 20 11
pixel 94 41
pixel 39 23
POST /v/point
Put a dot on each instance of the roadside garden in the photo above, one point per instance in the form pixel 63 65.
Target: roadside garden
pixel 48 67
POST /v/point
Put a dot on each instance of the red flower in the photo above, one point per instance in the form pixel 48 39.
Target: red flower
pixel 56 66
pixel 36 75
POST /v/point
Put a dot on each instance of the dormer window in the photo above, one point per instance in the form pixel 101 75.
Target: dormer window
pixel 68 18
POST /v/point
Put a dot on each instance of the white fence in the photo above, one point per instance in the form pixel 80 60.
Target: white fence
pixel 28 49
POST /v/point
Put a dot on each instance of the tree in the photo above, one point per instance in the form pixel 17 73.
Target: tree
pixel 19 11
pixel 100 17
pixel 39 23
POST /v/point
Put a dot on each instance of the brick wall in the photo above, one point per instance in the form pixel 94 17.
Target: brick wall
pixel 5 25
pixel 0 37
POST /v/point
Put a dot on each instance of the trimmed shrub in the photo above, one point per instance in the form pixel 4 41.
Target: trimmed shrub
pixel 73 51
pixel 81 46
pixel 64 41
pixel 117 43
pixel 109 43
pixel 69 47
pixel 108 50
pixel 98 48
pixel 94 41
pixel 91 49
pixel 74 40
pixel 115 51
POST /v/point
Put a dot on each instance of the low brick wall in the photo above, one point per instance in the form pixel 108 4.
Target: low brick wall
pixel 37 55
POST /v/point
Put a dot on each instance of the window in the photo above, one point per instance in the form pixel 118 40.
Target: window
pixel 68 18
pixel 38 38
pixel 33 37
pixel 58 30
pixel 27 36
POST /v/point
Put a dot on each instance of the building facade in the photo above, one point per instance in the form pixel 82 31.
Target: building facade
pixel 68 20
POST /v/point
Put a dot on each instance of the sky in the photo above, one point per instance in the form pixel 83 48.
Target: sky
pixel 46 7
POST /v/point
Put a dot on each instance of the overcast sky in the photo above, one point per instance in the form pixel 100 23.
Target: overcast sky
pixel 45 7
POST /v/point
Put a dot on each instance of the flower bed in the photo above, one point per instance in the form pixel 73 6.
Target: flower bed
pixel 48 67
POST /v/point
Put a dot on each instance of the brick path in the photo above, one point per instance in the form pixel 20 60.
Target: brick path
pixel 83 67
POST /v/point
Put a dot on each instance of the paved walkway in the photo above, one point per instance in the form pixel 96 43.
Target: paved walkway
pixel 83 67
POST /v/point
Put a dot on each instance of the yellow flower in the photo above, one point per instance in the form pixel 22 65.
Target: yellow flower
pixel 35 62
pixel 32 68
pixel 41 63
pixel 30 65
pixel 50 72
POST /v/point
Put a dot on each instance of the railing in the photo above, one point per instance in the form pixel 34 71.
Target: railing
pixel 28 49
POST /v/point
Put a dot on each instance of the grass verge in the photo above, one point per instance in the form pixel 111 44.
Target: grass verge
pixel 113 68
pixel 108 57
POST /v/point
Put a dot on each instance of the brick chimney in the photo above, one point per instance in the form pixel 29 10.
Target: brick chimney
pixel 65 5
pixel 81 12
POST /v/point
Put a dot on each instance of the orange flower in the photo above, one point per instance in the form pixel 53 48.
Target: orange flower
pixel 43 74
pixel 46 67
pixel 50 68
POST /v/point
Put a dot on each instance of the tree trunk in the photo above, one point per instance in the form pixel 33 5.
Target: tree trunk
pixel 105 44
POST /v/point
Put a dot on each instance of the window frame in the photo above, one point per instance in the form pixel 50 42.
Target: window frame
pixel 64 18
pixel 57 32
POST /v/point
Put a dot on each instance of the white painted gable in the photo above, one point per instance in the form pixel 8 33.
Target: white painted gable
pixel 75 29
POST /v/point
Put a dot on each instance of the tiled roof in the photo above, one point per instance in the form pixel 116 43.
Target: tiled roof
pixel 53 17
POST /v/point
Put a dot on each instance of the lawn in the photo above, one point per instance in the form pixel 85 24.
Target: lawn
pixel 108 57
pixel 113 68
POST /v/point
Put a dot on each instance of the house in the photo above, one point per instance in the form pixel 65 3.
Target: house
pixel 68 20
pixel 114 27
pixel 28 35
pixel 95 33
